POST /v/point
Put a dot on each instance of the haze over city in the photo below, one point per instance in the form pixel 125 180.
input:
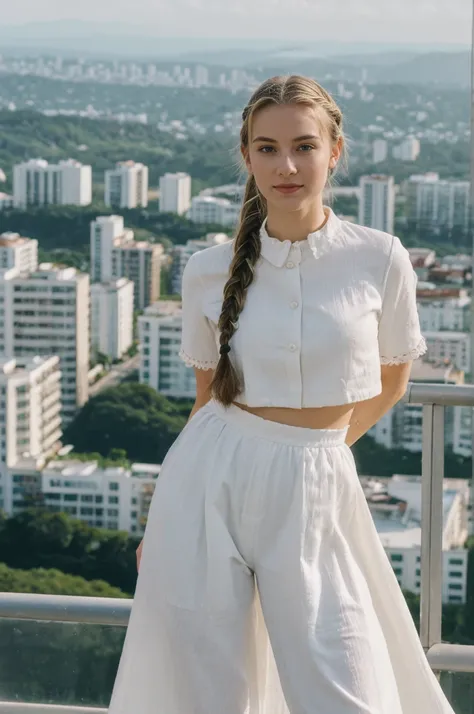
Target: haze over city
pixel 402 22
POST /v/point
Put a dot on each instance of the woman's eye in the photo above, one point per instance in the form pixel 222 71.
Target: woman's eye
pixel 263 149
pixel 306 147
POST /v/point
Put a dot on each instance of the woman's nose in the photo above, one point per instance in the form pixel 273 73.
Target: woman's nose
pixel 287 166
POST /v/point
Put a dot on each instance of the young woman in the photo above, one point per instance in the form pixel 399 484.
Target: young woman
pixel 263 585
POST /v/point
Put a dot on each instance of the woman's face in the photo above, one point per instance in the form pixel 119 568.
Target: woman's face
pixel 289 155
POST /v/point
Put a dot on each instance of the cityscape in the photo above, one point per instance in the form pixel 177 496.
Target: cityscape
pixel 104 198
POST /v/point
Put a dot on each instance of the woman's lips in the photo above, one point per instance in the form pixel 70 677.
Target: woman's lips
pixel 287 188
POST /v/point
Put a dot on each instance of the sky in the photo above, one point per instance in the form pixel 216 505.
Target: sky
pixel 401 21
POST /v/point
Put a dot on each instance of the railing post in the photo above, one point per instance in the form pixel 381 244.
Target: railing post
pixel 432 525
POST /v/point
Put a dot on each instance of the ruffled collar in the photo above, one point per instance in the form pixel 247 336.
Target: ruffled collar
pixel 277 251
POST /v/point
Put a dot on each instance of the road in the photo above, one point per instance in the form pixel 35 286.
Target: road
pixel 117 374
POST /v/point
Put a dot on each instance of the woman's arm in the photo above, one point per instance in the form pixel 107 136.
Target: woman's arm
pixel 366 414
pixel 203 392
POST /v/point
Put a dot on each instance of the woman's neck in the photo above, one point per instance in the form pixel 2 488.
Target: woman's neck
pixel 297 225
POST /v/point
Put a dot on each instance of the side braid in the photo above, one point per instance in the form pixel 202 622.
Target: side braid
pixel 225 385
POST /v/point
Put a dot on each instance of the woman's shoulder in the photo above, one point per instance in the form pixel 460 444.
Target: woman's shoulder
pixel 379 241
pixel 212 261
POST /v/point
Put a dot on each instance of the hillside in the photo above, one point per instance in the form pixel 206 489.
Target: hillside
pixel 26 134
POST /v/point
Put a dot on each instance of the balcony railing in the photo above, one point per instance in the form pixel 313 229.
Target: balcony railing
pixel 442 656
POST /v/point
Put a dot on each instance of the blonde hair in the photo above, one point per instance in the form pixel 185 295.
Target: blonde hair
pixel 295 89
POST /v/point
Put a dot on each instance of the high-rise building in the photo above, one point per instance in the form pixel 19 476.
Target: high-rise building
pixel 30 405
pixel 433 203
pixel 126 186
pixel 18 252
pixel 402 426
pixel 379 150
pixel 38 183
pixel 46 312
pixel 407 150
pixel 104 231
pixel 210 209
pixel 201 76
pixel 115 254
pixel 182 253
pixel 449 346
pixel 377 202
pixel 161 367
pixel 175 193
pixel 112 317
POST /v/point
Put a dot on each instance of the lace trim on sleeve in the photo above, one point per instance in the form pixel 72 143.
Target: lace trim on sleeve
pixel 416 352
pixel 191 362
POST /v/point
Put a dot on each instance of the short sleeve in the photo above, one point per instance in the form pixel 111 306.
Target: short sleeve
pixel 198 342
pixel 400 338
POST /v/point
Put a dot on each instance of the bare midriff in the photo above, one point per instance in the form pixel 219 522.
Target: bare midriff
pixel 336 417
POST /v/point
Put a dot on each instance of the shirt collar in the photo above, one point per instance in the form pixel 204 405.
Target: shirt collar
pixel 277 251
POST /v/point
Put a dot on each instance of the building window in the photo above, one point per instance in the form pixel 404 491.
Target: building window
pixel 455 586
pixel 113 499
pixel 113 486
pixel 455 574
pixel 456 561
pixel 396 557
pixel 398 571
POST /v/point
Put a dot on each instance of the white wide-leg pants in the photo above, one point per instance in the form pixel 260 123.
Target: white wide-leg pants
pixel 264 587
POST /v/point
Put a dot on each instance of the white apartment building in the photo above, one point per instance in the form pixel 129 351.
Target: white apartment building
pixel 377 202
pixel 439 312
pixel 395 505
pixel 209 209
pixel 37 183
pixel 46 312
pixel 30 405
pixel 175 193
pixel 379 151
pixel 436 203
pixel 104 230
pixel 449 345
pixel 126 186
pixel 462 431
pixel 182 253
pixel 407 150
pixel 18 252
pixel 115 498
pixel 115 254
pixel 112 317
pixel 401 427
pixel 161 367
pixel 6 201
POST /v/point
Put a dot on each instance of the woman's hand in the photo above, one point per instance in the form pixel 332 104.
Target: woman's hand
pixel 139 554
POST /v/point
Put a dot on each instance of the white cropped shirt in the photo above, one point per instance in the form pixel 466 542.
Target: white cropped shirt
pixel 320 317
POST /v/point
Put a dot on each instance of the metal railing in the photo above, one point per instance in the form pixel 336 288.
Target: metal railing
pixel 442 656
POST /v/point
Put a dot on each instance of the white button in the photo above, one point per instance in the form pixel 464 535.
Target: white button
pixel 290 264
pixel 292 347
pixel 294 304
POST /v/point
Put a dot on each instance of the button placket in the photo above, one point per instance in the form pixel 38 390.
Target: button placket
pixel 293 321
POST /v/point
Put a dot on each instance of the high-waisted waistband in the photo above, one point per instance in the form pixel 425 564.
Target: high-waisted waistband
pixel 274 431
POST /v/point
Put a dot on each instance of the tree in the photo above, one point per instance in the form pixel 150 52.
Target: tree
pixel 131 417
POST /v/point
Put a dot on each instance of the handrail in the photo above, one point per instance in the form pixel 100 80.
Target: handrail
pixel 66 608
